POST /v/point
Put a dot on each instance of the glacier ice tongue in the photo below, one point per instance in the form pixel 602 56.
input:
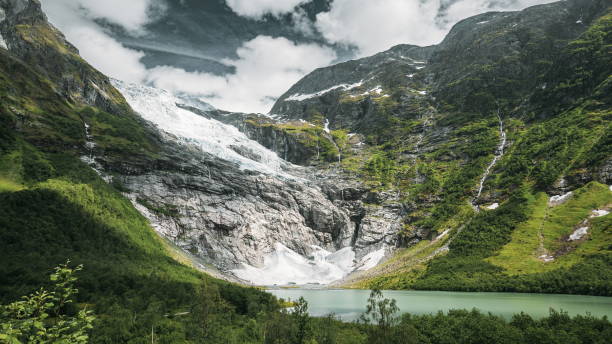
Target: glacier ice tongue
pixel 219 139
pixel 285 266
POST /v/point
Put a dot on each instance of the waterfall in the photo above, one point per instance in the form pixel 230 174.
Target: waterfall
pixel 499 153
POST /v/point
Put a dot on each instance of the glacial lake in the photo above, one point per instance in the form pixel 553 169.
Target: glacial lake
pixel 349 304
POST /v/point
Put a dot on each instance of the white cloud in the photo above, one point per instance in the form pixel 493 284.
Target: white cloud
pixel 95 46
pixel 107 55
pixel 131 14
pixel 374 26
pixel 266 67
pixel 257 8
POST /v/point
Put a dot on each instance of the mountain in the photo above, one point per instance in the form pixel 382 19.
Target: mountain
pixel 471 137
pixel 446 164
pixel 55 207
pixel 228 202
pixel 483 163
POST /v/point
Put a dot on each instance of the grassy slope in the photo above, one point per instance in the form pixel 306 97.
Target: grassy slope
pixel 53 207
pixel 520 255
pixel 495 245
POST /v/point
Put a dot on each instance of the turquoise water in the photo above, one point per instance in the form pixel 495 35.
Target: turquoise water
pixel 349 304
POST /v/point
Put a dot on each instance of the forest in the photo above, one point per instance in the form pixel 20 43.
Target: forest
pixel 57 313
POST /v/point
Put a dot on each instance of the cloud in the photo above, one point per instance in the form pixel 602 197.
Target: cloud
pixel 131 14
pixel 95 46
pixel 257 8
pixel 374 26
pixel 108 55
pixel 266 67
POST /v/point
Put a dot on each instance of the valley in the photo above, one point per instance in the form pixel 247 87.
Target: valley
pixel 459 171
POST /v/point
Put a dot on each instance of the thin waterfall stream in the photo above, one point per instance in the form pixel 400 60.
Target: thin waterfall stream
pixel 499 153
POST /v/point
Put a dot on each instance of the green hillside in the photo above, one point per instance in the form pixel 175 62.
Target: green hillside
pixel 54 207
pixel 558 139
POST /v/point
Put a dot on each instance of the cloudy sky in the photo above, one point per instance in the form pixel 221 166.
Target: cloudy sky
pixel 265 67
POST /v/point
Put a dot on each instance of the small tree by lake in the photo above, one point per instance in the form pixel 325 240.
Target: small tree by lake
pixel 41 316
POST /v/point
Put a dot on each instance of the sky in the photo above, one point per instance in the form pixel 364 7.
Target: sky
pixel 262 74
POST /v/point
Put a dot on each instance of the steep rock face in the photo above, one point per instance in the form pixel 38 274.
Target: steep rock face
pixel 233 208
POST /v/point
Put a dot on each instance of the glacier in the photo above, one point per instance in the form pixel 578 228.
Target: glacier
pixel 263 244
pixel 285 266
pixel 211 136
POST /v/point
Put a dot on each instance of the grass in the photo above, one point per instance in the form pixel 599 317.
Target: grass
pixel 520 255
pixel 7 185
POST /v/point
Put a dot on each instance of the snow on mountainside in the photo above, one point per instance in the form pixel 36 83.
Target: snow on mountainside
pixel 224 141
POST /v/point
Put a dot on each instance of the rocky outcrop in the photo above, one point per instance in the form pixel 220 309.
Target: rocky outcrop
pixel 230 208
pixel 497 50
pixel 30 37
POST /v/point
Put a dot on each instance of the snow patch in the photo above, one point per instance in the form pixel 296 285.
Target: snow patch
pixel 547 258
pixel 422 92
pixel 100 90
pixel 371 259
pixel 378 90
pixel 579 21
pixel 211 136
pixel 483 22
pixel 3 42
pixel 419 67
pixel 560 199
pixel 298 97
pixel 579 233
pixel 599 213
pixel 285 266
pixel 410 76
pixel 493 206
